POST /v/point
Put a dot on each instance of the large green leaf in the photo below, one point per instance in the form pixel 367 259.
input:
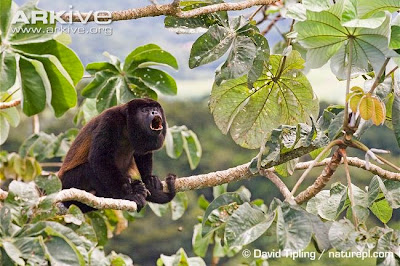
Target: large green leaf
pixel 8 117
pixel 34 85
pixel 156 79
pixel 68 59
pixel 112 85
pixel 8 70
pixel 250 115
pixel 323 34
pixel 5 17
pixel 246 224
pixel 240 60
pixel 149 54
pixel 293 228
pixel 48 70
pixel 210 46
pixel 328 204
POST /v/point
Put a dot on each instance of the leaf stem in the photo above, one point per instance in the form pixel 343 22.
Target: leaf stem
pixel 348 79
pixel 377 77
pixel 349 187
pixel 358 145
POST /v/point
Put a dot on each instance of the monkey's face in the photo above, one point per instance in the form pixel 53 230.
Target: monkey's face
pixel 153 119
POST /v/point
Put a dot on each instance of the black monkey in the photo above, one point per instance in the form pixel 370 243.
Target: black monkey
pixel 111 145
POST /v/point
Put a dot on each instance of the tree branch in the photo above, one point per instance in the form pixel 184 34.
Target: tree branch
pixel 234 174
pixel 5 105
pixel 172 9
pixel 321 180
pixel 93 201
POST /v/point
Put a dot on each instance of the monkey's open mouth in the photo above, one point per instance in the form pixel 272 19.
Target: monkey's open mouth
pixel 156 123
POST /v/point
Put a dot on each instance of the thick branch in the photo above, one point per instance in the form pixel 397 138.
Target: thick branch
pixel 321 180
pixel 226 176
pixel 93 201
pixel 5 105
pixel 171 10
pixel 279 184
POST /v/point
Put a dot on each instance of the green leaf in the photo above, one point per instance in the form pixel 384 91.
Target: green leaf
pixel 325 38
pixel 107 96
pixel 391 190
pixel 4 129
pixel 49 184
pixel 246 224
pixel 8 70
pixel 352 18
pixel 178 205
pixel 373 190
pixel 250 115
pixel 293 228
pixel 68 58
pixel 94 87
pixel 317 5
pixel 174 142
pixel 210 46
pixel 382 210
pixel 5 16
pixel 262 57
pixel 156 79
pixel 100 227
pixel 396 117
pixel 343 234
pixel 200 244
pixel 222 200
pixel 192 148
pixel 63 93
pixel 159 209
pixel 149 54
pixel 328 204
pixel 13 252
pixel 95 67
pixel 34 84
pixel 240 60
pixel 20 32
pixel 11 115
pixel 367 8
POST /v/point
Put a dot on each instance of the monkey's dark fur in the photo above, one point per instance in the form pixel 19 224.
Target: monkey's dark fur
pixel 113 144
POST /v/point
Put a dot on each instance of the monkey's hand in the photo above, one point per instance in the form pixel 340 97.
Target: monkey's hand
pixel 138 194
pixel 153 183
pixel 170 180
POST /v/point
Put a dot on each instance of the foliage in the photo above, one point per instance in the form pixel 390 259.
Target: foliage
pixel 264 101
pixel 32 233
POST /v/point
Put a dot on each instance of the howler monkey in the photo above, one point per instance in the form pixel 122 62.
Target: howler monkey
pixel 107 148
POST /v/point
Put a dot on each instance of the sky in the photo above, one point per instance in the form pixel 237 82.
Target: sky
pixel 127 35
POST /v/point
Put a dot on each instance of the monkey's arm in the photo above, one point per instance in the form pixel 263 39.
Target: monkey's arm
pixel 144 163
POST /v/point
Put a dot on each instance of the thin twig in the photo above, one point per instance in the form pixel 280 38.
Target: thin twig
pixel 377 77
pixel 35 124
pixel 279 184
pixel 349 186
pixel 321 180
pixel 271 24
pixel 255 13
pixel 5 105
pixel 310 167
pixel 391 72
